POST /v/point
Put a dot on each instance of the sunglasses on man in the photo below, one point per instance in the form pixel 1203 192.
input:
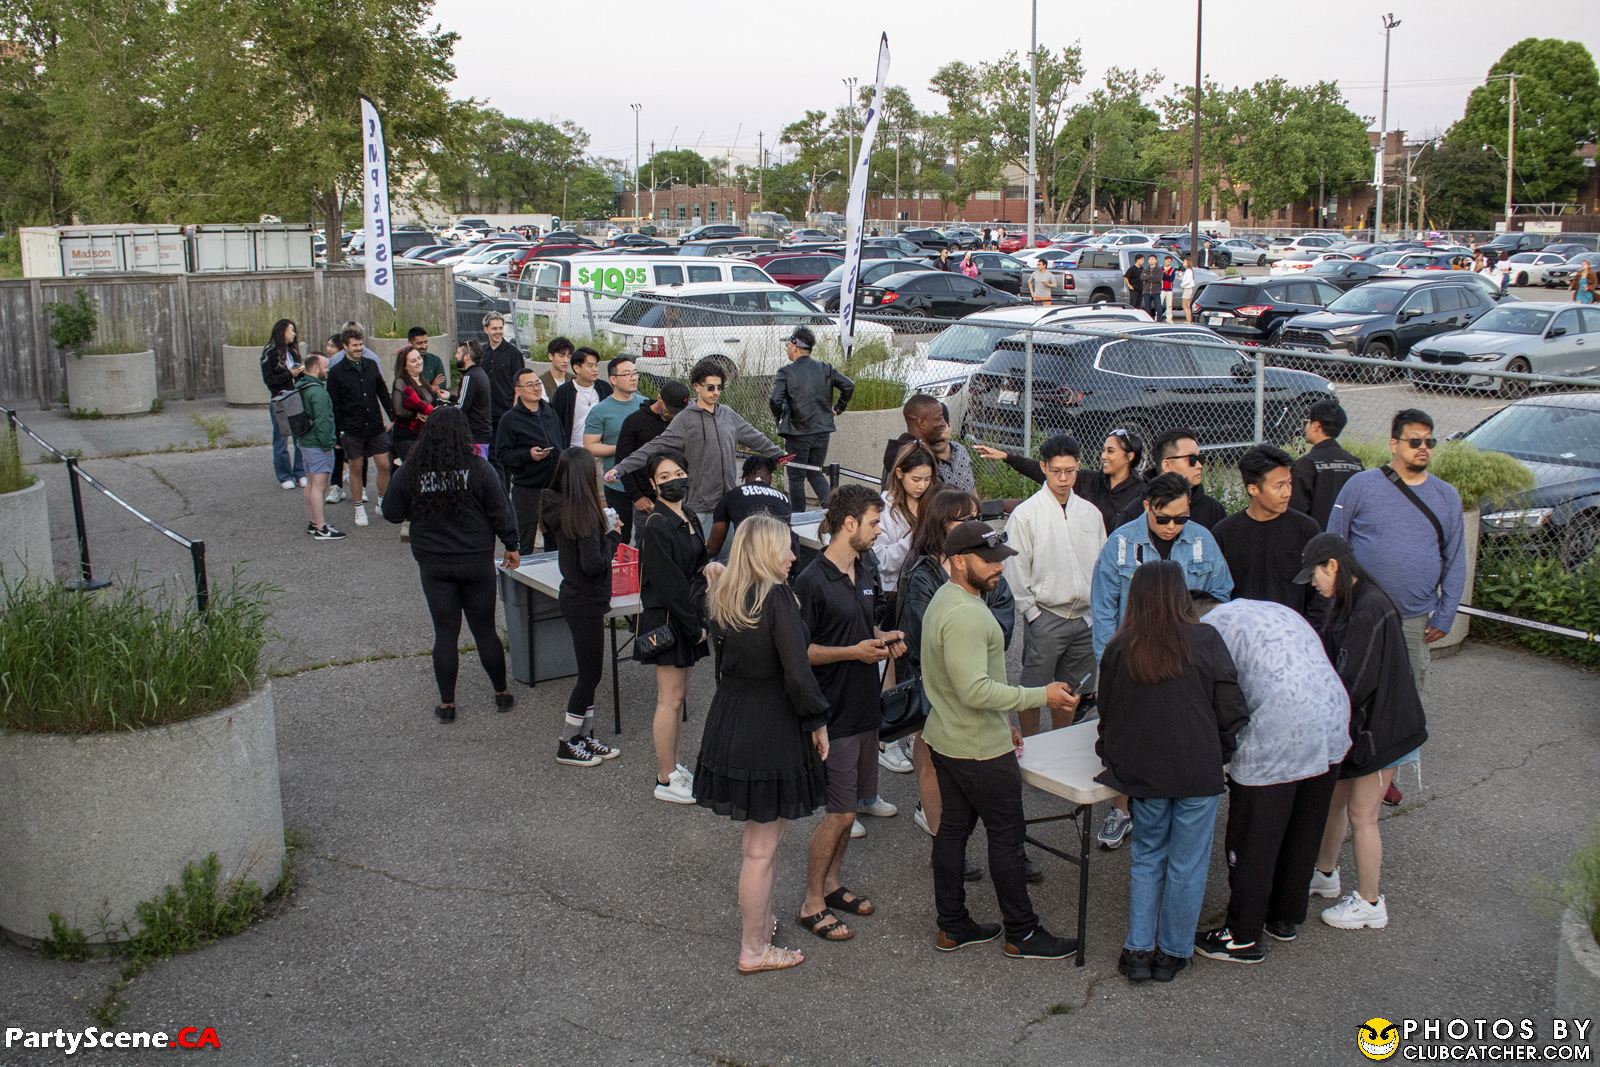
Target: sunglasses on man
pixel 1419 442
pixel 1193 458
pixel 1168 520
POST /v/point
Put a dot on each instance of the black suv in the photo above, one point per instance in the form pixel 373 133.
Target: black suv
pixel 928 239
pixel 1385 317
pixel 1253 309
pixel 710 232
pixel 1142 378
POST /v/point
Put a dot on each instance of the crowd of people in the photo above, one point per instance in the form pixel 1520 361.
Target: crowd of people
pixel 1278 654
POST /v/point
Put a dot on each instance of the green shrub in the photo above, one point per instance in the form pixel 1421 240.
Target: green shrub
pixel 1476 475
pixel 1516 579
pixel 11 256
pixel 126 659
pixel 877 394
pixel 12 475
pixel 76 327
pixel 196 912
pixel 392 322
pixel 1582 889
pixel 251 325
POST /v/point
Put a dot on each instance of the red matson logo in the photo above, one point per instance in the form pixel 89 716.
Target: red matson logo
pixel 1378 1038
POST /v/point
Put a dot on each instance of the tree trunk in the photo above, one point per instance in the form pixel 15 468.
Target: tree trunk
pixel 333 226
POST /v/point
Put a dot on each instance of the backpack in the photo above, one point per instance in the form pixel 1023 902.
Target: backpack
pixel 290 414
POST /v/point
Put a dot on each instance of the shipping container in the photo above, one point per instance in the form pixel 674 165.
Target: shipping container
pixel 250 247
pixel 58 251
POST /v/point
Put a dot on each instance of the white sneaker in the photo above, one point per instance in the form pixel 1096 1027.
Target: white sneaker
pixel 334 495
pixel 1115 829
pixel 361 515
pixel 1354 913
pixel 1325 885
pixel 679 788
pixel 377 503
pixel 287 483
pixel 857 830
pixel 921 819
pixel 892 757
pixel 302 481
pixel 877 806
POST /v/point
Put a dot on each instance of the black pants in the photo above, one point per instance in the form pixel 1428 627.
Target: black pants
pixel 809 448
pixel 624 508
pixel 990 790
pixel 1272 838
pixel 451 590
pixel 589 646
pixel 1151 302
pixel 526 502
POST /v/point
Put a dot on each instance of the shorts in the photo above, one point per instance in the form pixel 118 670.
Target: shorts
pixel 1058 650
pixel 318 460
pixel 852 767
pixel 360 447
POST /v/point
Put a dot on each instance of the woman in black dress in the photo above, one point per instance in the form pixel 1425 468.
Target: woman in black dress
pixel 672 562
pixel 766 737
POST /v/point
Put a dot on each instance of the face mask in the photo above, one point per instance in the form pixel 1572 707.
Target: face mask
pixel 674 490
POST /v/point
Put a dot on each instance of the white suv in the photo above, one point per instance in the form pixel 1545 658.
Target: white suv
pixel 667 329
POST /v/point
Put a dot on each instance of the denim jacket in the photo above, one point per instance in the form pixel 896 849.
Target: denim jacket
pixel 1204 571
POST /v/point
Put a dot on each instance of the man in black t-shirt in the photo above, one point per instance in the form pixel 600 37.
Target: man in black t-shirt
pixel 838 604
pixel 754 495
pixel 1322 472
pixel 1263 543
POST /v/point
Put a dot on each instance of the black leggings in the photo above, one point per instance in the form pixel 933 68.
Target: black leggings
pixel 453 588
pixel 589 645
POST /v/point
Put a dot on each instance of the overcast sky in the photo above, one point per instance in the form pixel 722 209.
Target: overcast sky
pixel 714 70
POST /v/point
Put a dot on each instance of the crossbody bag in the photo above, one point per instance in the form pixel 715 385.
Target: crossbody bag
pixel 1438 527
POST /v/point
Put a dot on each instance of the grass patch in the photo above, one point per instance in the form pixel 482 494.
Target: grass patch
pixel 1582 889
pixel 157 406
pixel 251 325
pixel 12 476
pixel 877 394
pixel 88 413
pixel 215 427
pixel 65 942
pixel 384 321
pixel 125 659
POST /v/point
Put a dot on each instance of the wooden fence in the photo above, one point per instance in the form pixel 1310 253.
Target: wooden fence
pixel 184 319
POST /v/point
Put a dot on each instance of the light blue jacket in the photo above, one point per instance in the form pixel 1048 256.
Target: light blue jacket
pixel 1204 571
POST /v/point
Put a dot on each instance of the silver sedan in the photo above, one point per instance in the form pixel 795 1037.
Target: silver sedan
pixel 1243 252
pixel 1527 337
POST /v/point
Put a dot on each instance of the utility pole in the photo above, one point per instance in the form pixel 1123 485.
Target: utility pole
pixel 652 181
pixel 1033 118
pixel 761 167
pixel 1094 164
pixel 1389 23
pixel 1511 145
pixel 636 164
pixel 849 124
pixel 1194 204
pixel 897 180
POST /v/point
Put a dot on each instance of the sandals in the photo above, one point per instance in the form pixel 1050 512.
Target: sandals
pixel 854 905
pixel 774 958
pixel 829 931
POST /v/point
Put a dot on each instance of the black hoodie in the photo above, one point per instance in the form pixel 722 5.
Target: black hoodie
pixel 1368 649
pixel 521 430
pixel 465 537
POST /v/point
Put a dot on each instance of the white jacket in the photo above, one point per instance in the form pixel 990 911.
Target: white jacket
pixel 894 541
pixel 1056 553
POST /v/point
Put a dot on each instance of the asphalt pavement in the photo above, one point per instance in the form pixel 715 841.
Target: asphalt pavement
pixel 464 900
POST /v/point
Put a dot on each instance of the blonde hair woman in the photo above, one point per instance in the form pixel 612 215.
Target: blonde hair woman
pixel 766 736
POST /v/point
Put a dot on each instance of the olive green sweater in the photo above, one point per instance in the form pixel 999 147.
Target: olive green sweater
pixel 963 673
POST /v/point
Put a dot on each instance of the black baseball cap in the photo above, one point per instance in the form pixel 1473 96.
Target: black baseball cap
pixel 1319 550
pixel 978 539
pixel 675 395
pixel 802 337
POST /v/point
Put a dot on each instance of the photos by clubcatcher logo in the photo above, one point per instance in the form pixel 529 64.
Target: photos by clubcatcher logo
pixel 1475 1040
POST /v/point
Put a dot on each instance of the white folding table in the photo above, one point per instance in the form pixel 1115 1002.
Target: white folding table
pixel 1063 763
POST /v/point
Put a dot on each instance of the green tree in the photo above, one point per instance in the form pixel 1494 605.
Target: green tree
pixel 31 186
pixel 1558 109
pixel 675 164
pixel 1108 144
pixel 1291 139
pixel 1219 137
pixel 1459 186
pixel 505 163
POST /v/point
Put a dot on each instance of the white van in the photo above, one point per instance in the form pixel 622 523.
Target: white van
pixel 575 296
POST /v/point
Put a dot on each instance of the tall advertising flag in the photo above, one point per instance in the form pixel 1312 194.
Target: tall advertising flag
pixel 856 210
pixel 375 204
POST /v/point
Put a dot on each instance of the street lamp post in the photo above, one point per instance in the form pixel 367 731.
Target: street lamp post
pixel 849 121
pixel 1033 117
pixel 636 165
pixel 1194 220
pixel 1389 23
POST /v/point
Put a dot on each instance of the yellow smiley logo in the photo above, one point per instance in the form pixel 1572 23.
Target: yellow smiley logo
pixel 1378 1038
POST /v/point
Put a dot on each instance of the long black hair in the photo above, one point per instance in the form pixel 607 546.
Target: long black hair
pixel 440 463
pixel 576 483
pixel 1344 585
pixel 1152 636
pixel 281 345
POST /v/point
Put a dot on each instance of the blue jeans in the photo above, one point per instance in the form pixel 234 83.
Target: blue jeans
pixel 1167 877
pixel 281 447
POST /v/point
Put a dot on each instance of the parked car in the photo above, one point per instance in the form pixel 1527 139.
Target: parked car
pixel 474 300
pixel 420 252
pixel 1118 239
pixel 1386 317
pixel 635 240
pixel 806 235
pixel 1570 247
pixel 1527 268
pixel 945 364
pixel 1000 270
pixel 546 249
pixel 667 330
pixel 487 258
pixel 1533 337
pixel 1219 257
pixel 926 239
pixel 1558 439
pixel 1097 276
pixel 1252 310
pixel 464 229
pixel 1432 260
pixel 1017 241
pixel 1509 244
pixel 1304 243
pixel 1243 252
pixel 728 246
pixel 710 231
pixel 1344 274
pixel 1145 378
pixel 1068 238
pixel 963 238
pixel 1561 277
pixel 931 295
pixel 1299 262
pixel 1363 249
pixel 795 269
pixel 825 293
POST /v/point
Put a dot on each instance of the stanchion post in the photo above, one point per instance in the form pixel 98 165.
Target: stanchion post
pixel 202 588
pixel 86 580
pixel 832 470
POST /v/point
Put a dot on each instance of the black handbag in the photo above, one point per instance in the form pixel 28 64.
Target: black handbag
pixel 904 709
pixel 654 643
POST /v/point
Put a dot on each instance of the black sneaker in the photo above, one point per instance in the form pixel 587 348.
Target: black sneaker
pixel 974 933
pixel 328 533
pixel 503 701
pixel 1219 944
pixel 1281 930
pixel 1041 944
pixel 445 712
pixel 1165 968
pixel 574 753
pixel 1031 870
pixel 600 748
pixel 311 529
pixel 1135 964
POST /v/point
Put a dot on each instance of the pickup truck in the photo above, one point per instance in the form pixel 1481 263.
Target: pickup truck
pixel 1097 278
pixel 1509 244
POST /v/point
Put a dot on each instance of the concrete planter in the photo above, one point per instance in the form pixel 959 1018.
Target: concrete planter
pixel 241 376
pixel 1451 642
pixel 25 534
pixel 91 825
pixel 859 438
pixel 119 384
pixel 1578 973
